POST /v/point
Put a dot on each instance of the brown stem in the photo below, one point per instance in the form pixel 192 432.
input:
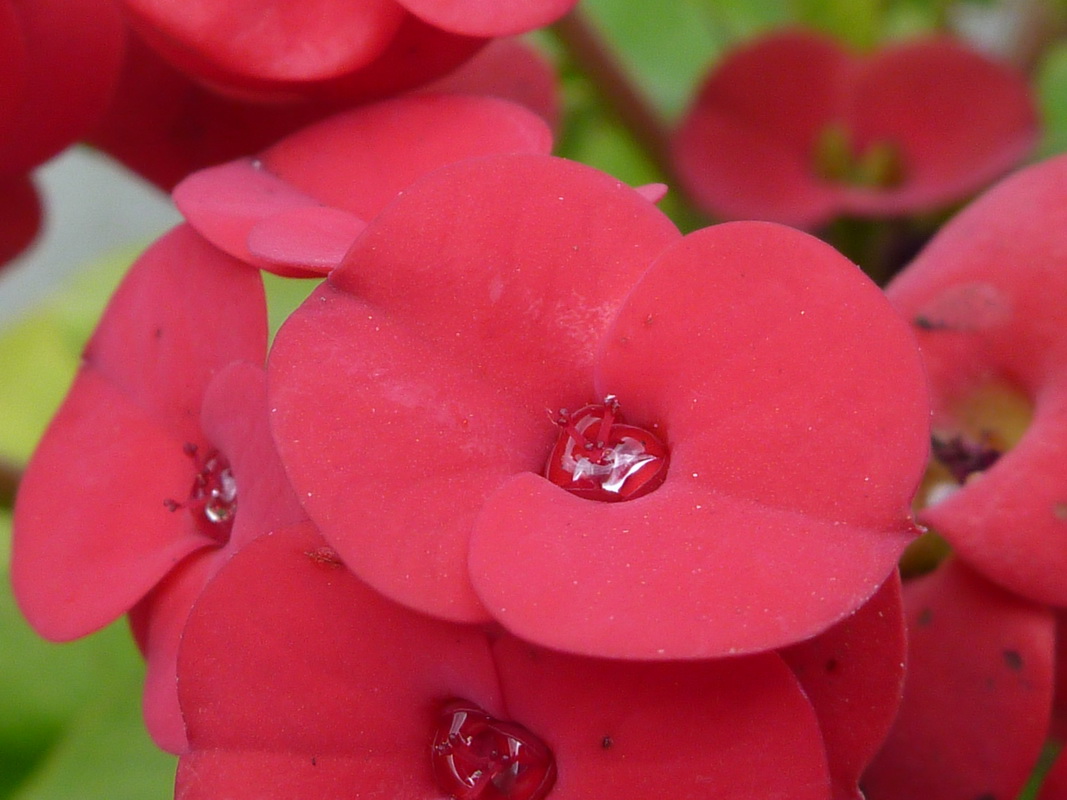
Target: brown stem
pixel 10 475
pixel 596 60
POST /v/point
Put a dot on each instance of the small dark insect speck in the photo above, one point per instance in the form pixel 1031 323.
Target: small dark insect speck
pixel 1013 659
pixel 607 742
pixel 314 762
pixel 926 616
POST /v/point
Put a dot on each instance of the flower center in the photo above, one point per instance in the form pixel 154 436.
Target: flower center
pixel 600 458
pixel 837 159
pixel 212 497
pixel 478 757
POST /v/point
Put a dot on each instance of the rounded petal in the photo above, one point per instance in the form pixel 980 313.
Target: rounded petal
pixel 633 731
pixel 793 402
pixel 489 17
pixel 183 312
pixel 746 147
pixel 73 51
pixel 246 43
pixel 361 160
pixel 960 120
pixel 351 681
pixel 393 416
pixel 511 69
pixel 853 674
pixel 248 212
pixel 92 533
pixel 985 299
pixel 977 694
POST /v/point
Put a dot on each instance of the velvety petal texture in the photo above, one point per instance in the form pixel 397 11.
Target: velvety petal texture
pixel 853 674
pixel 376 674
pixel 93 529
pixel 495 292
pixel 792 400
pixel 789 128
pixel 977 694
pixel 421 371
pixel 985 300
pixel 297 208
pixel 68 55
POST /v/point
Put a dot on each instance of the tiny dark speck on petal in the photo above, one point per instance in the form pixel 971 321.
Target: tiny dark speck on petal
pixel 314 761
pixel 986 796
pixel 607 742
pixel 831 665
pixel 1013 660
pixel 925 617
pixel 158 333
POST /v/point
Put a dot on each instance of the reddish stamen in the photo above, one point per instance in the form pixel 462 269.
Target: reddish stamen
pixel 212 497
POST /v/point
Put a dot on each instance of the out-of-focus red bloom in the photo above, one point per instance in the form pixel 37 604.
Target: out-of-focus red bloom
pixel 157 466
pixel 351 49
pixel 795 129
pixel 164 125
pixel 297 207
pixel 986 300
pixel 413 398
pixel 977 695
pixel 59 60
pixel 323 687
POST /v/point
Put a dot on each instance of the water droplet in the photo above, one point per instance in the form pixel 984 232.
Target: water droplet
pixel 478 757
pixel 600 458
pixel 212 499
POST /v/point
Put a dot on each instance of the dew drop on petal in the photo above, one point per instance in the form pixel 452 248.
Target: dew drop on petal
pixel 212 499
pixel 600 458
pixel 478 757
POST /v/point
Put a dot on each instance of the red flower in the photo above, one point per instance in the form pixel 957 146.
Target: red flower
pixel 409 398
pixel 164 125
pixel 157 466
pixel 977 695
pixel 320 686
pixel 59 60
pixel 318 49
pixel 793 128
pixel 985 298
pixel 297 208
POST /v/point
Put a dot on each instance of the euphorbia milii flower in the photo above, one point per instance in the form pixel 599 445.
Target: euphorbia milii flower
pixel 318 49
pixel 794 128
pixel 747 396
pixel 158 464
pixel 322 687
pixel 985 298
pixel 977 695
pixel 59 60
pixel 297 207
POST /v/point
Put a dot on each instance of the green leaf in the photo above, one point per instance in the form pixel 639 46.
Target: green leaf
pixel 1052 96
pixel 858 23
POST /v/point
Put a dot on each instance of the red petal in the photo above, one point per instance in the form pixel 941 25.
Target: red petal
pixel 235 420
pixel 525 254
pixel 985 296
pixel 360 161
pixel 294 674
pixel 245 43
pixel 1054 786
pixel 232 203
pixel 91 532
pixel 738 728
pixel 184 311
pixel 960 119
pixel 73 50
pixel 793 402
pixel 21 218
pixel 511 69
pixel 977 693
pixel 853 674
pixel 489 17
pixel 746 147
